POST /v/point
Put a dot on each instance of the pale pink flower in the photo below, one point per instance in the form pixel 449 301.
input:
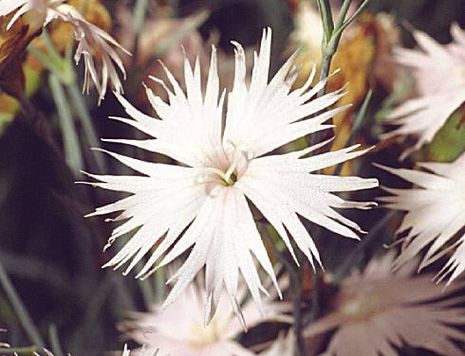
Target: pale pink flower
pixel 439 72
pixel 203 203
pixel 377 312
pixel 180 330
pixel 90 39
pixel 435 214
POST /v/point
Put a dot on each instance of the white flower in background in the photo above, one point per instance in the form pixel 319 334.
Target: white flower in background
pixel 439 72
pixel 203 203
pixel 435 214
pixel 180 329
pixel 378 311
pixel 308 31
pixel 91 40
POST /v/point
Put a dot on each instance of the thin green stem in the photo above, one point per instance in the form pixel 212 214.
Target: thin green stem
pixel 21 311
pixel 160 285
pixel 324 6
pixel 343 14
pixel 87 124
pixel 357 124
pixel 54 340
pixel 70 138
pixel 146 289
pixel 43 58
pixel 93 311
pixel 314 311
pixel 52 51
pixel 296 287
pixel 331 42
pixel 357 12
pixel 53 61
pixel 345 266
pixel 295 276
pixel 138 17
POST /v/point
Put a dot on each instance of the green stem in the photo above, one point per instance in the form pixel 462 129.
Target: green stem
pixel 160 285
pixel 295 277
pixel 147 292
pixel 87 125
pixel 138 17
pixel 53 61
pixel 52 51
pixel 332 39
pixel 45 60
pixel 324 7
pixel 55 341
pixel 343 13
pixel 21 311
pixel 357 124
pixel 70 139
pixel 357 12
pixel 345 266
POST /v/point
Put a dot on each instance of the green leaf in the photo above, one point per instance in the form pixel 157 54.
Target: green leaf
pixel 449 142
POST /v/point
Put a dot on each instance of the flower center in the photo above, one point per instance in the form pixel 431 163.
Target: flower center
pixel 226 174
pixel 203 336
pixel 362 305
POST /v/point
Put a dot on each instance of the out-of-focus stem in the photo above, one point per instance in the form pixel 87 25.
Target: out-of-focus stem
pixel 345 266
pixel 138 19
pixel 357 123
pixel 70 139
pixel 55 341
pixel 138 16
pixel 295 285
pixel 87 125
pixel 146 289
pixel 160 285
pixel 20 309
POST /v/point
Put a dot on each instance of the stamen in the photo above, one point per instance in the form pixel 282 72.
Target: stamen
pixel 232 168
pixel 239 161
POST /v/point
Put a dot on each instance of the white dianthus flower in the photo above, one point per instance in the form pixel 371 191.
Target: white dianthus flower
pixel 90 39
pixel 203 203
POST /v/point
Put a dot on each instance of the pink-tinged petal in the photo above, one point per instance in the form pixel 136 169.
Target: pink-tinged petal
pixel 437 96
pixel 434 214
pixel 178 329
pixel 379 311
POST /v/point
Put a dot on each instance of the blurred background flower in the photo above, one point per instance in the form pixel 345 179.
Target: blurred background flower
pixel 378 312
pixel 434 218
pixel 180 329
